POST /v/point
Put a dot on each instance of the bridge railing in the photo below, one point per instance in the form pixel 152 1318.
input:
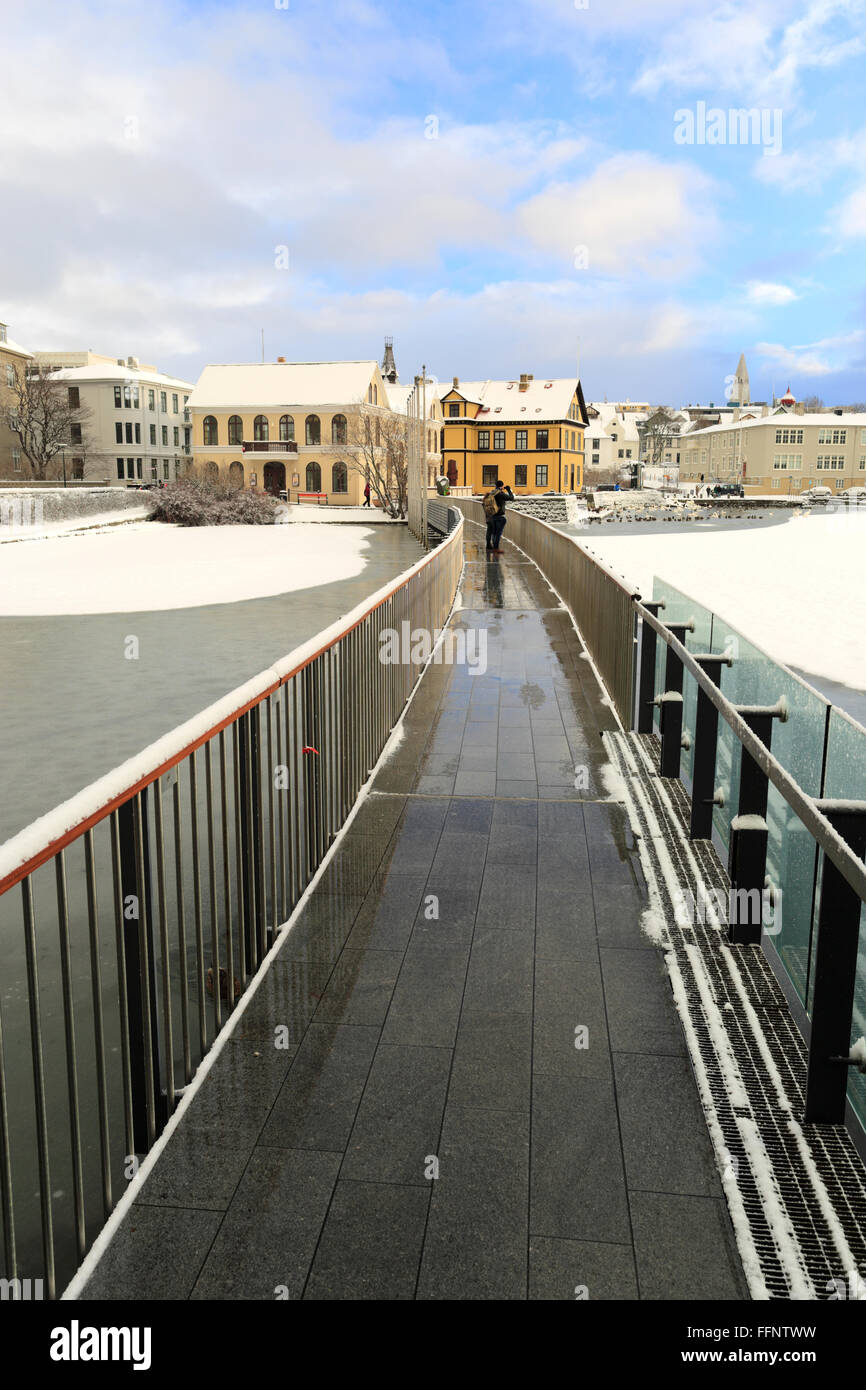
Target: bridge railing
pixel 135 915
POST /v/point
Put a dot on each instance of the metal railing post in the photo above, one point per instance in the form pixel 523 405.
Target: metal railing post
pixel 706 742
pixel 747 855
pixel 835 974
pixel 646 679
pixel 140 1002
pixel 671 704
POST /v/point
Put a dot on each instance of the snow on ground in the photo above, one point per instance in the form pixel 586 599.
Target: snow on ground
pixel 26 532
pixel 797 590
pixel 143 567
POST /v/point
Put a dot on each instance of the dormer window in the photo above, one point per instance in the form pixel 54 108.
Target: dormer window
pixel 453 408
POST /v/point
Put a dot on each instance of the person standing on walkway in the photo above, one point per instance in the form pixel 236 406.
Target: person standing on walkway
pixel 366 494
pixel 496 521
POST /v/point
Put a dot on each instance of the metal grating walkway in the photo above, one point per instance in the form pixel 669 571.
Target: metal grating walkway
pixel 797 1193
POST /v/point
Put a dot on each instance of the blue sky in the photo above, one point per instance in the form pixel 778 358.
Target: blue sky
pixel 498 186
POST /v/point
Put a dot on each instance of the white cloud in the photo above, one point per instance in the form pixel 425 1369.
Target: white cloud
pixel 634 215
pixel 765 292
pixel 821 358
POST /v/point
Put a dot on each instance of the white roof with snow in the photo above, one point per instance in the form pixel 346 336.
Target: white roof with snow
pixel 542 400
pixel 609 421
pixel 112 372
pixel 786 419
pixel 8 345
pixel 277 384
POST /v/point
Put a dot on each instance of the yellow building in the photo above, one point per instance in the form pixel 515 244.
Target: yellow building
pixel 292 427
pixel 528 433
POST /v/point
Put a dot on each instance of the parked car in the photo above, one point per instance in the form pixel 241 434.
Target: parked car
pixel 817 494
pixel 855 492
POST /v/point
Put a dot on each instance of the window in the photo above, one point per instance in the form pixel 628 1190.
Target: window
pixel 313 435
pixel 74 398
pixel 165 470
pixel 128 432
pixel 120 468
pixel 499 439
pixel 261 429
pixel 520 475
pixel 620 453
pixel 832 436
pixel 831 462
pixel 118 432
pixel 453 409
pixel 175 436
pixel 488 475
pixel 314 478
pixel 541 475
pixel 153 434
pixel 236 474
pixel 209 429
pixel 521 439
pixel 163 403
pixel 136 398
pixel 236 429
pixel 339 478
pixel 138 467
pixel 174 402
pixel 785 462
pixel 541 440
pixel 127 396
pixel 16 460
pixel 137 432
pixel 10 375
pixel 483 439
pixel 118 398
pixel 130 468
pixel 339 431
pixel 775 482
pixel 164 433
pixel 151 400
pixel 595 458
pixel 153 470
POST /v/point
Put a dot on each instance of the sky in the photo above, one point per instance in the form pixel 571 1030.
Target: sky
pixel 502 187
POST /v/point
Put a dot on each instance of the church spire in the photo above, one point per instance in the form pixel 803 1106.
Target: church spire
pixel 389 366
pixel 740 392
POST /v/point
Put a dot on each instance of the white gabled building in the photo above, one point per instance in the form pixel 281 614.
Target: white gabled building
pixel 139 428
pixel 613 440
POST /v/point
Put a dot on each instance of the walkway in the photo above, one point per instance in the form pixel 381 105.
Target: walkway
pixel 435 1127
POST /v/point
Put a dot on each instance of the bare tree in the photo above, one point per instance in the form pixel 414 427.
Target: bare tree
pixel 379 453
pixel 812 403
pixel 44 415
pixel 659 432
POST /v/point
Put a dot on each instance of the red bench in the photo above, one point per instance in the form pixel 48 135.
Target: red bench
pixel 319 496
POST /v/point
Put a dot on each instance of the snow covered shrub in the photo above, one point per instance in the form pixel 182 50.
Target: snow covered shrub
pixel 196 501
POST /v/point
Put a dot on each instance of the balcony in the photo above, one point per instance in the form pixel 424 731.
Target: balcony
pixel 269 446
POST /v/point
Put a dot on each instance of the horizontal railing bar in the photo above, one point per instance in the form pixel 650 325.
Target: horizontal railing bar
pixel 805 806
pixel 17 859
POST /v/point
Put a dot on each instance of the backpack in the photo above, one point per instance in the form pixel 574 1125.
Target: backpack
pixel 489 504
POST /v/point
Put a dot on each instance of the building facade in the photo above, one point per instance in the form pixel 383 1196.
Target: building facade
pixel 138 428
pixel 784 451
pixel 291 427
pixel 528 433
pixel 13 362
pixel 612 441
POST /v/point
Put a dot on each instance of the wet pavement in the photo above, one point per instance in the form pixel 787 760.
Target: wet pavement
pixel 480 1088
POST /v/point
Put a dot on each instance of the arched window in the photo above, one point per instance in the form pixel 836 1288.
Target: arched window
pixel 378 432
pixel 236 429
pixel 339 430
pixel 314 478
pixel 339 478
pixel 314 430
pixel 212 472
pixel 210 432
pixel 287 427
pixel 236 475
pixel 260 428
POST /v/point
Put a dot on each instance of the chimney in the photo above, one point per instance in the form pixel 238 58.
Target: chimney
pixel 455 381
pixel 800 408
pixel 765 410
pixel 524 382
pixel 736 414
pixel 281 359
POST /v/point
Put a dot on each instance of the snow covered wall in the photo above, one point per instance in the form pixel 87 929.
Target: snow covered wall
pixel 54 506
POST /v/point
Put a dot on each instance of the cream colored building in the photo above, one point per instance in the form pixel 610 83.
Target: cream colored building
pixel 138 429
pixel 13 361
pixel 290 427
pixel 402 399
pixel 612 440
pixel 784 451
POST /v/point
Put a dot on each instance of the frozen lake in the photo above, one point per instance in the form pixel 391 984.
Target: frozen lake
pixel 73 706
